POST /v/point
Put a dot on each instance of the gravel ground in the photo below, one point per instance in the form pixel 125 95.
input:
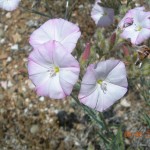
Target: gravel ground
pixel 29 122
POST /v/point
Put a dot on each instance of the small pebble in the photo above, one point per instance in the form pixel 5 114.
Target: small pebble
pixel 2 41
pixel 9 84
pixel 34 129
pixel 41 99
pixel 9 59
pixel 125 103
pixel 14 47
pixel 8 15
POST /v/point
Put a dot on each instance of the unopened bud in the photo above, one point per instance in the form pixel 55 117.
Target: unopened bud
pixel 112 39
pixel 86 52
pixel 125 50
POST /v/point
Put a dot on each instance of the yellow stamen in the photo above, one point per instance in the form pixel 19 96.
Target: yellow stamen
pixel 139 28
pixel 99 82
pixel 105 14
pixel 56 69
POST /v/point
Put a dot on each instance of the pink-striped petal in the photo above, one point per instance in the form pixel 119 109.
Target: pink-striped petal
pixel 59 30
pixel 103 84
pixel 53 70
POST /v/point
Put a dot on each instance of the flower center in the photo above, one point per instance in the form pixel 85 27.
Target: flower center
pixel 99 81
pixel 56 69
pixel 138 28
pixel 102 85
pixel 105 14
pixel 53 71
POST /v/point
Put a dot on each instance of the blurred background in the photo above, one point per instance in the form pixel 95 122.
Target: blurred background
pixel 29 122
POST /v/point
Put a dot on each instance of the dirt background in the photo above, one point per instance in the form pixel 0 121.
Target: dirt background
pixel 29 122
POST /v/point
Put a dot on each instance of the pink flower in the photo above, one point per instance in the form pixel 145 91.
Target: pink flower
pixel 103 84
pixel 53 70
pixel 59 30
pixel 9 5
pixel 136 26
pixel 102 16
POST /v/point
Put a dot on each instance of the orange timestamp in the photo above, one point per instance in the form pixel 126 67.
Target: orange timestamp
pixel 137 134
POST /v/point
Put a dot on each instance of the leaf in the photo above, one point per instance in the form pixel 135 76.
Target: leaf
pixel 117 142
pixel 146 119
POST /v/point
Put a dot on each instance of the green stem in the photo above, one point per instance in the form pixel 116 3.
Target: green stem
pixel 48 8
pixel 103 119
pixel 34 11
pixel 92 115
pixel 88 111
pixel 71 9
pixel 67 5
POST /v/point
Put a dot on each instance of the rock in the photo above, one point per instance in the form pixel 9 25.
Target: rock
pixel 9 84
pixel 127 141
pixel 27 48
pixel 9 59
pixel 41 99
pixel 2 41
pixel 24 89
pixel 14 47
pixel 81 6
pixel 32 23
pixel 5 27
pixel 8 15
pixel 30 84
pixel 16 37
pixel 125 103
pixel 34 129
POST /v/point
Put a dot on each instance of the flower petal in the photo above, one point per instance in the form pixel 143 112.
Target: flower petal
pixel 108 98
pixel 62 58
pixel 37 57
pixel 91 100
pixel 9 5
pixel 59 30
pixel 130 33
pixel 88 86
pixel 103 84
pixel 102 16
pixel 143 35
pixel 117 75
pixel 103 68
pixel 37 73
pixel 68 79
pixel 41 67
pixel 51 88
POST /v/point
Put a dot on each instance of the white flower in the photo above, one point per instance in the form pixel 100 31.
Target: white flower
pixel 103 84
pixel 9 5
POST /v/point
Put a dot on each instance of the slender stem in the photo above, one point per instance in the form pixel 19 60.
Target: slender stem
pixel 91 114
pixel 71 8
pixel 34 11
pixel 88 111
pixel 67 5
pixel 102 117
pixel 48 8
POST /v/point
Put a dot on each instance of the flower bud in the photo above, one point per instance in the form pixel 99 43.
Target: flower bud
pixel 125 50
pixel 86 52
